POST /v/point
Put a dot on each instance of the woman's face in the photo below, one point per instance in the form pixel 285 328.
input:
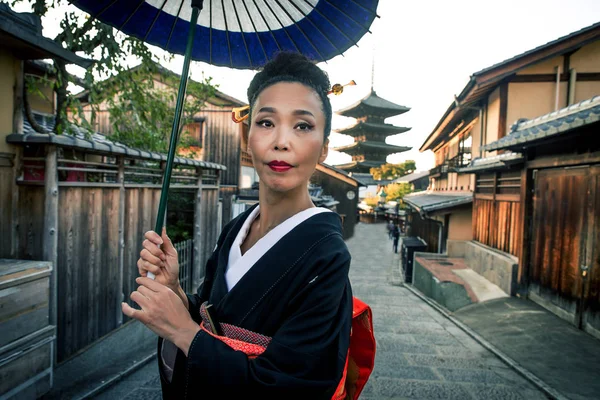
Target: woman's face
pixel 286 135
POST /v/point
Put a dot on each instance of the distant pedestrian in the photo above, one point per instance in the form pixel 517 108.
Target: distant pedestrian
pixel 390 229
pixel 395 237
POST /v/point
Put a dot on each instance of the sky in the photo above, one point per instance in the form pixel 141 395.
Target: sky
pixel 422 53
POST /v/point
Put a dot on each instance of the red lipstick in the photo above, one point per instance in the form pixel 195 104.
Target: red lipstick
pixel 279 166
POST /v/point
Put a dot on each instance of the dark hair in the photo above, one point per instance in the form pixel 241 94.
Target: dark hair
pixel 293 67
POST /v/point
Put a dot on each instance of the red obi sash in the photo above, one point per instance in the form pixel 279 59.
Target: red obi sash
pixel 359 361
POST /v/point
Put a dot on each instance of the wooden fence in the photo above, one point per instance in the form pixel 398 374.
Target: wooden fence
pixel 88 214
pixel 185 255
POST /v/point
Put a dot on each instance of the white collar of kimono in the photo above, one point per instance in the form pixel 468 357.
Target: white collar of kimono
pixel 239 264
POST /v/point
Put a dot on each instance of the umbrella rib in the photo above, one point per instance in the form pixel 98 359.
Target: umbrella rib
pixel 349 16
pixel 315 26
pixel 237 16
pixel 283 27
pixel 255 30
pixel 106 7
pixel 303 33
pixel 227 33
pixel 174 23
pixel 267 24
pixel 333 23
pixel 155 19
pixel 365 8
pixel 132 14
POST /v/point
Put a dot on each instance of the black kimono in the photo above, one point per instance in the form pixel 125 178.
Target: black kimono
pixel 298 293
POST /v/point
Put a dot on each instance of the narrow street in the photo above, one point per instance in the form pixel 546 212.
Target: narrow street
pixel 420 354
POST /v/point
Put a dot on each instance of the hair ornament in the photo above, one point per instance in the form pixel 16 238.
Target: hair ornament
pixel 338 89
pixel 239 114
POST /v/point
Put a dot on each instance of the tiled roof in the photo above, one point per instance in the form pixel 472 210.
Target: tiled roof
pixel 369 144
pixel 412 177
pixel 429 201
pixel 80 138
pixel 553 124
pixel 488 163
pixel 373 102
pixel 26 27
pixel 362 127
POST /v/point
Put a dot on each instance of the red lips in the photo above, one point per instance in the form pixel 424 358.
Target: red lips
pixel 279 166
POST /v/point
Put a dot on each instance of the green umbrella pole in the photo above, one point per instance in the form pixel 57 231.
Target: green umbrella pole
pixel 164 194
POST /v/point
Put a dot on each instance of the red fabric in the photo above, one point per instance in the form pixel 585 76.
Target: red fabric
pixel 359 361
pixel 361 354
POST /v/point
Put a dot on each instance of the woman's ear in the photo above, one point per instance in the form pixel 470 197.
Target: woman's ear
pixel 324 151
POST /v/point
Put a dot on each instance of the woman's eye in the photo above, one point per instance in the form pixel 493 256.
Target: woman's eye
pixel 304 127
pixel 265 123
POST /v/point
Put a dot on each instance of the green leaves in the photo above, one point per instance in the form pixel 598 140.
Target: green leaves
pixel 138 103
pixel 393 171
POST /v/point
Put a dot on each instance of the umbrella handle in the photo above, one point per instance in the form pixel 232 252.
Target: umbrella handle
pixel 164 193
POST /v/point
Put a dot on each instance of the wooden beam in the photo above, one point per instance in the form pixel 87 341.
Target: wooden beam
pixel 17 126
pixel 50 236
pixel 503 110
pixel 564 161
pixel 17 175
pixel 564 77
pixel 524 244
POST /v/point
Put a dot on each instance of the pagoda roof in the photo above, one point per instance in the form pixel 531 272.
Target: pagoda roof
pixel 373 105
pixel 360 165
pixel 356 147
pixel 362 127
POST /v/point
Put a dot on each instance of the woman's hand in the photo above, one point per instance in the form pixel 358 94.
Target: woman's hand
pixel 159 257
pixel 163 312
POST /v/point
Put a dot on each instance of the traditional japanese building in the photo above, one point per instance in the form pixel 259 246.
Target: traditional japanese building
pixel 369 149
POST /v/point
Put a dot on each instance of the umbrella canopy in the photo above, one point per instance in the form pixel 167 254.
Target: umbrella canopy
pixel 242 34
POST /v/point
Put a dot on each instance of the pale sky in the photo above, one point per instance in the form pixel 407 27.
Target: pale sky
pixel 424 53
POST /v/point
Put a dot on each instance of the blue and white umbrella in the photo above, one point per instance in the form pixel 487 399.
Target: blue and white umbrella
pixel 241 34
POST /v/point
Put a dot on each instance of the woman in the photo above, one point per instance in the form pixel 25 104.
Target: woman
pixel 279 272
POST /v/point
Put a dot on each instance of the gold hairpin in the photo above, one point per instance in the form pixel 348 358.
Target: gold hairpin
pixel 239 114
pixel 338 89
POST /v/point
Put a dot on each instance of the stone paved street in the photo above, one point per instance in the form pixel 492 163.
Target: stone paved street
pixel 420 353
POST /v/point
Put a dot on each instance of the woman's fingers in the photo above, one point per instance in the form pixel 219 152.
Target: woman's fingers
pixel 151 258
pixel 152 249
pixel 153 237
pixel 145 266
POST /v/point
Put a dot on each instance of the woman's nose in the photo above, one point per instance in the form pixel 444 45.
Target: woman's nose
pixel 281 139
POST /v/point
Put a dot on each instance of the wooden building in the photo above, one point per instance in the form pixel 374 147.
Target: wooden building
pixel 28 320
pixel 369 149
pixel 344 189
pixel 540 201
pixel 539 81
pixel 217 137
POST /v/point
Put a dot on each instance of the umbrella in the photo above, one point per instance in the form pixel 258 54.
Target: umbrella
pixel 240 34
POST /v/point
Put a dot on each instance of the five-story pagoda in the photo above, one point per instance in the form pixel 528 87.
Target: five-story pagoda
pixel 369 149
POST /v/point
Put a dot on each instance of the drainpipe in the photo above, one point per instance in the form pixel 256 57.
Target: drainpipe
pixel 481 131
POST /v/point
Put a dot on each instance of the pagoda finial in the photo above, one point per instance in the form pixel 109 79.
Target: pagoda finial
pixel 373 70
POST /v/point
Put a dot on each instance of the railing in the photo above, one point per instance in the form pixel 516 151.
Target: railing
pixel 185 255
pixel 451 165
